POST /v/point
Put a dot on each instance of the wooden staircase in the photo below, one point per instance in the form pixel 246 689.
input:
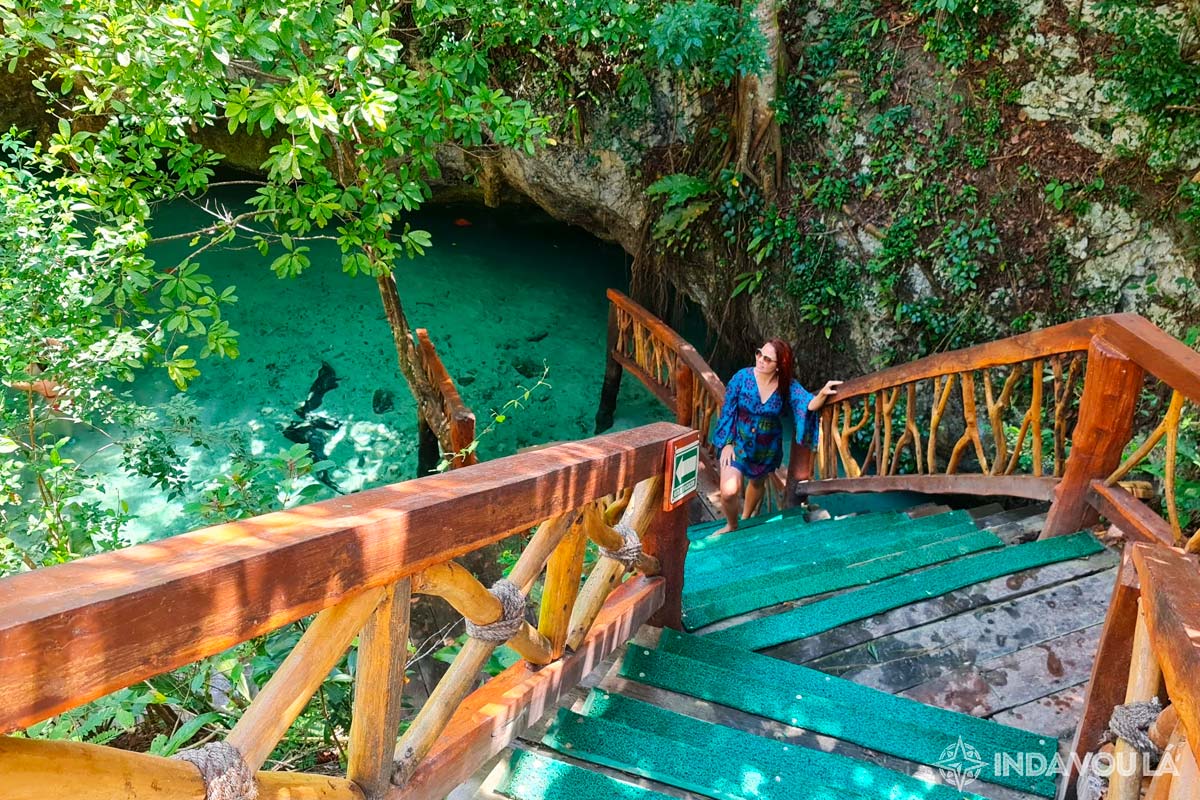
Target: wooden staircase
pixel 1006 668
pixel 828 651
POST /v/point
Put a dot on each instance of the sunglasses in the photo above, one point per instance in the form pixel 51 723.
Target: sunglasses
pixel 759 354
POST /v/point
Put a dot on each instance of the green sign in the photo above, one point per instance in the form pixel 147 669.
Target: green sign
pixel 685 471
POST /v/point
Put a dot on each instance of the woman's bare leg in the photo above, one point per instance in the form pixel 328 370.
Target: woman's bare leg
pixel 731 487
pixel 754 495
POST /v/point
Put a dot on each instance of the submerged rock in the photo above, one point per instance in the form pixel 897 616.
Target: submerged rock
pixel 383 401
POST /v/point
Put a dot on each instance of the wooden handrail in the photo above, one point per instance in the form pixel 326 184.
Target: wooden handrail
pixel 676 343
pixel 1143 342
pixel 1170 588
pixel 121 617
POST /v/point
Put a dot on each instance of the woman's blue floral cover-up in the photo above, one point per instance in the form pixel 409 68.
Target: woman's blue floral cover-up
pixel 755 428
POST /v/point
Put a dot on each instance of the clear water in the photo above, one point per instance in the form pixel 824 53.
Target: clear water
pixel 501 296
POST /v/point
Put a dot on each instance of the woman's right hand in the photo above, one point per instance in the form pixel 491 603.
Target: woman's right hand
pixel 727 455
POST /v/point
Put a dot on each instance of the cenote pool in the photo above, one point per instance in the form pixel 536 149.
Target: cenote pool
pixel 502 292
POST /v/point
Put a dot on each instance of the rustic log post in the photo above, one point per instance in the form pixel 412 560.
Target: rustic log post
pixel 563 573
pixel 378 690
pixel 1110 671
pixel 1110 393
pixel 288 691
pixel 1145 680
pixel 35 769
pixel 612 377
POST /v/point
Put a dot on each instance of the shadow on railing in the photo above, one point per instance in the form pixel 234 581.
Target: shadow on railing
pixel 72 633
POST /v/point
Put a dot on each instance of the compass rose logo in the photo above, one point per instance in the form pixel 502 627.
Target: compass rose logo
pixel 960 764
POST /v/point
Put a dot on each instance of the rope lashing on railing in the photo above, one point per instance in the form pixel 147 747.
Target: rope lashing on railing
pixel 631 549
pixel 512 617
pixel 1130 722
pixel 225 772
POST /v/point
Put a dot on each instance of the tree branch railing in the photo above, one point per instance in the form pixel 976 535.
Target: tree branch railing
pixel 72 633
pixel 663 361
pixel 1045 415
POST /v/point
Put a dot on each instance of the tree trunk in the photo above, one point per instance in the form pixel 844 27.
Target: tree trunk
pixel 428 403
pixel 756 120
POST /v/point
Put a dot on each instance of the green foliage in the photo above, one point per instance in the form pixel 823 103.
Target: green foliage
pixel 678 189
pixel 500 416
pixel 960 32
pixel 1153 63
pixel 716 41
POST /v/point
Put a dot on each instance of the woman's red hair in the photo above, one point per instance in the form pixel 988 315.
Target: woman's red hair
pixel 786 365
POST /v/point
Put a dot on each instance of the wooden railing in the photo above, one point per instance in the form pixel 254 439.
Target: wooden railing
pixel 1045 415
pixel 451 425
pixel 72 633
pixel 1148 647
pixel 644 346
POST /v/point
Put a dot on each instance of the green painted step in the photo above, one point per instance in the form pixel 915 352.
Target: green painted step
pixel 707 575
pixel 532 776
pixel 714 569
pixel 753 592
pixel 809 699
pixel 823 615
pixel 805 554
pixel 783 536
pixel 775 528
pixel 841 503
pixel 721 762
pixel 702 530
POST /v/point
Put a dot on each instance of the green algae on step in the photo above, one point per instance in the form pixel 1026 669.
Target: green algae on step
pixel 806 698
pixel 753 592
pixel 823 615
pixel 532 776
pixel 721 762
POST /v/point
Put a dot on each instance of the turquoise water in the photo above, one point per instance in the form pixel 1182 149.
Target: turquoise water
pixel 502 296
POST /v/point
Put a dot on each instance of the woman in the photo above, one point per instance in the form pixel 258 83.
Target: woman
pixel 749 433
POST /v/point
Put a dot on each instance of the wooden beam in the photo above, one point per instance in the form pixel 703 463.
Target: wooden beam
pixel 1131 515
pixel 661 392
pixel 1067 338
pixel 379 691
pixel 1171 600
pixel 1110 392
pixel 666 540
pixel 121 617
pixel 505 706
pixel 1157 352
pixel 985 485
pixel 34 769
pixel 288 691
pixel 611 386
pixel 459 419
